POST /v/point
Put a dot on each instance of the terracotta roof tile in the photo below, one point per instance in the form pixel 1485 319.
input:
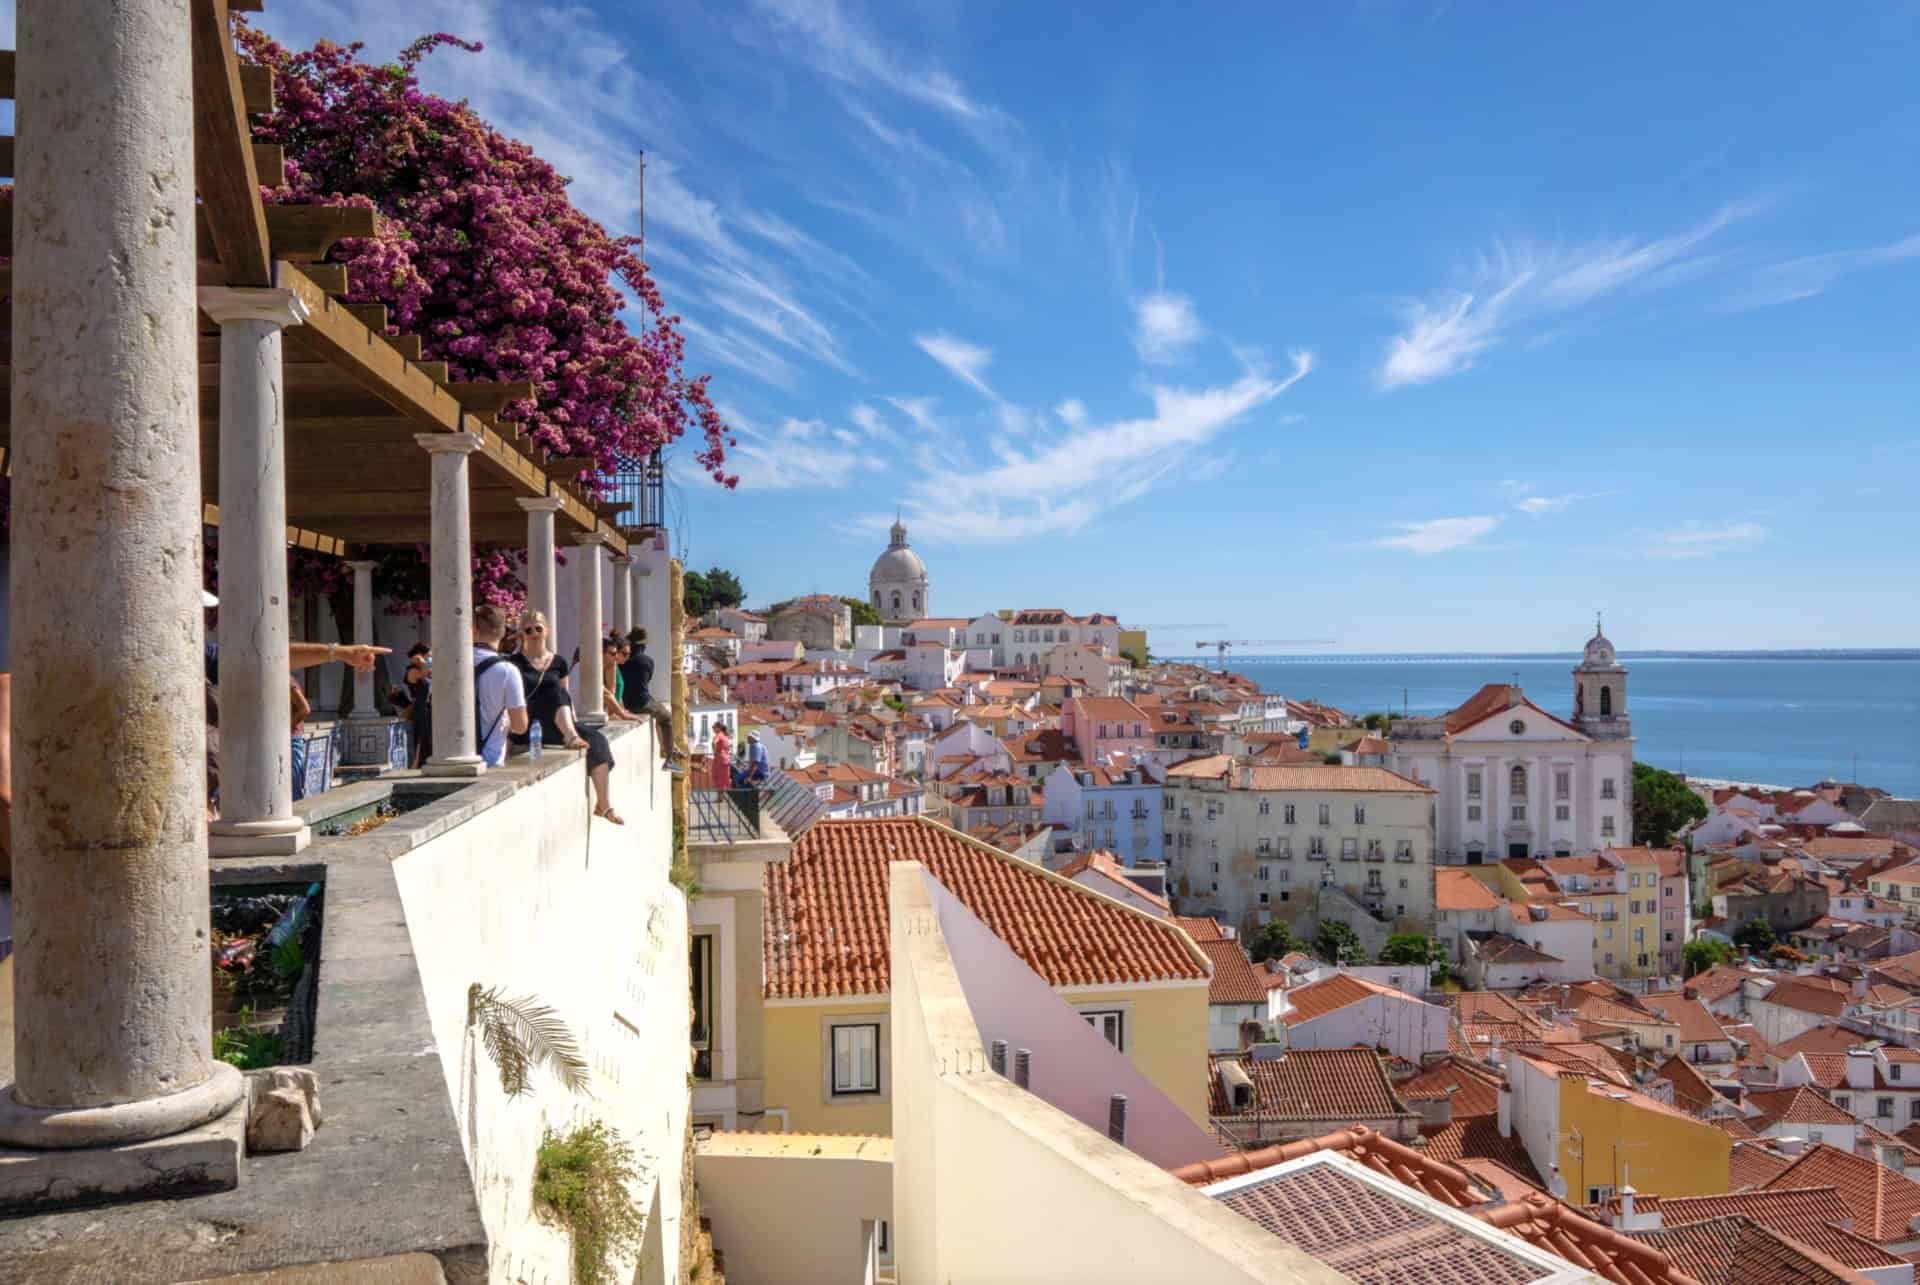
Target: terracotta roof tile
pixel 1826 1038
pixel 1200 929
pixel 1883 1202
pixel 1798 1105
pixel 1696 1023
pixel 1736 1250
pixel 1457 890
pixel 1309 1084
pixel 1803 996
pixel 1754 1164
pixel 1472 1090
pixel 826 925
pixel 1337 991
pixel 1811 1216
pixel 1233 981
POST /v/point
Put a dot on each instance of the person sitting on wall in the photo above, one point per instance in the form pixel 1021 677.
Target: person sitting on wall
pixel 753 770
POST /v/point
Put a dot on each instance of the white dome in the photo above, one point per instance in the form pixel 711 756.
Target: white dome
pixel 897 566
pixel 1599 653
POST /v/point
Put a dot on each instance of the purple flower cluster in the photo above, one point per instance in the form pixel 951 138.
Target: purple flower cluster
pixel 483 255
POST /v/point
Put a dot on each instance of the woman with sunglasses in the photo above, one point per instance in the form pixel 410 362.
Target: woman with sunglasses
pixel 543 672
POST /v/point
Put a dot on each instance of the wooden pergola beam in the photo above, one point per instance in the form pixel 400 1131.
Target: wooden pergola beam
pixel 256 88
pixel 487 397
pixel 224 172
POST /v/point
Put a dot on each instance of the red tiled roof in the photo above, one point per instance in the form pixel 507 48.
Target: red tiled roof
pixel 1809 1216
pixel 1798 1105
pixel 1690 1088
pixel 1201 929
pixel 1472 1091
pixel 1825 1038
pixel 1696 1023
pixel 1100 861
pixel 1883 1202
pixel 1337 991
pixel 1803 996
pixel 1495 699
pixel 1754 1164
pixel 826 926
pixel 1457 890
pixel 1233 981
pixel 1736 1250
pixel 1308 1084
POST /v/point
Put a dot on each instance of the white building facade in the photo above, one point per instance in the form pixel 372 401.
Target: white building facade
pixel 1512 780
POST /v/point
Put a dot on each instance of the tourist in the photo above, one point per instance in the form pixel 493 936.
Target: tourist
pixel 500 702
pixel 415 696
pixel 543 673
pixel 753 773
pixel 612 680
pixel 637 673
pixel 722 758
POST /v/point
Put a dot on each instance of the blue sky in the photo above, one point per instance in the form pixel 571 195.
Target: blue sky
pixel 1413 326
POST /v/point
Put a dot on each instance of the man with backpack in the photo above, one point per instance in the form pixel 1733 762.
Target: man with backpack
pixel 499 698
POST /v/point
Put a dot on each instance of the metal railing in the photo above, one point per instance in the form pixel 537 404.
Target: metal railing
pixel 736 816
pixel 640 485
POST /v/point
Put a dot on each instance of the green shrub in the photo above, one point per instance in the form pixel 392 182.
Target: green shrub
pixel 580 1183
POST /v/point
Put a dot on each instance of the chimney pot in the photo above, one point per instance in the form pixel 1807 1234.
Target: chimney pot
pixel 998 1057
pixel 1117 1118
pixel 1023 1067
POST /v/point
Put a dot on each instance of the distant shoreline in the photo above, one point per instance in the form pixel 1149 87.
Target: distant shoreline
pixel 1838 653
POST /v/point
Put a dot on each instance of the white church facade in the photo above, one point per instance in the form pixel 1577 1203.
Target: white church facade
pixel 1513 780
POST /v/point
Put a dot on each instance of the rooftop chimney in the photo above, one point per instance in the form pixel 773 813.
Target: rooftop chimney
pixel 1117 1118
pixel 1632 1219
pixel 1790 1145
pixel 1893 1156
pixel 998 1057
pixel 1505 1117
pixel 1022 1067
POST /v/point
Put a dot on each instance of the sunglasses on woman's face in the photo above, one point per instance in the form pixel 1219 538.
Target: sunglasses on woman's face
pixel 534 629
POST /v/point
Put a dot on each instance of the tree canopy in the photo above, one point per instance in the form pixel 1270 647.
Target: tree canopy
pixel 1756 937
pixel 1704 954
pixel 1662 804
pixel 1416 948
pixel 1337 943
pixel 715 587
pixel 864 612
pixel 1273 940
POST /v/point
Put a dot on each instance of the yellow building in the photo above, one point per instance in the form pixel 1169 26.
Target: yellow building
pixel 1597 1136
pixel 820 1014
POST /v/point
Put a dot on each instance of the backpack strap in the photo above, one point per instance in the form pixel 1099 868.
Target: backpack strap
pixel 480 667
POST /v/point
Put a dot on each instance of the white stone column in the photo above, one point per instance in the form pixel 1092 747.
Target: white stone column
pixel 112 999
pixel 256 743
pixel 451 596
pixel 590 702
pixel 541 567
pixel 622 593
pixel 363 704
pixel 653 609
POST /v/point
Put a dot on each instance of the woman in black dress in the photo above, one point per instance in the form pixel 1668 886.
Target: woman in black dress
pixel 416 697
pixel 543 673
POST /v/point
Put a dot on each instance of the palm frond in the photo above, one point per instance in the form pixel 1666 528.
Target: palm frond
pixel 519 1034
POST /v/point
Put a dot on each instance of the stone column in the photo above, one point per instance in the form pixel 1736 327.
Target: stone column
pixel 363 703
pixel 590 704
pixel 653 608
pixel 622 593
pixel 540 560
pixel 454 735
pixel 112 1000
pixel 256 744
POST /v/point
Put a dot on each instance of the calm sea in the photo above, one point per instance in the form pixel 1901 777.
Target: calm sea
pixel 1772 720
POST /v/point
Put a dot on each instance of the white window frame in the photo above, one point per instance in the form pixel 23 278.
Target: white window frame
pixel 1117 1018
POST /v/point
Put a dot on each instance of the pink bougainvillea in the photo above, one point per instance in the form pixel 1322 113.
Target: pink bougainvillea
pixel 483 255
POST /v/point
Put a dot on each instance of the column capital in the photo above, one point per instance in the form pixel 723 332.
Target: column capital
pixel 595 536
pixel 271 304
pixel 540 503
pixel 622 560
pixel 448 443
pixel 362 564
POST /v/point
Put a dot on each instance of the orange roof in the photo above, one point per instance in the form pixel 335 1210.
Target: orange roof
pixel 1754 1164
pixel 1802 995
pixel 1494 699
pixel 1234 981
pixel 1824 1038
pixel 1202 930
pixel 1455 889
pixel 1883 1202
pixel 1337 991
pixel 1309 1084
pixel 1737 1250
pixel 1798 1105
pixel 826 927
pixel 1808 1216
pixel 1100 861
pixel 1696 1023
pixel 1472 1090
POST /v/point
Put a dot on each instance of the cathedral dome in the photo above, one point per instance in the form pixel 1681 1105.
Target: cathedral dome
pixel 896 566
pixel 897 585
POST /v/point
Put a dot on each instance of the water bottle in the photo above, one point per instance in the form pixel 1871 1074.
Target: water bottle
pixel 533 741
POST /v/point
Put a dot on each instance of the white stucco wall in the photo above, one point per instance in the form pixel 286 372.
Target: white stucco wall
pixel 1408 1028
pixel 533 896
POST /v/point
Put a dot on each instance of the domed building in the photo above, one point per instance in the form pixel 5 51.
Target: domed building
pixel 897 585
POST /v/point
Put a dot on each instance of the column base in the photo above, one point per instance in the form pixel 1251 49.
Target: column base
pixel 279 837
pixel 63 1128
pixel 200 1160
pixel 593 720
pixel 464 765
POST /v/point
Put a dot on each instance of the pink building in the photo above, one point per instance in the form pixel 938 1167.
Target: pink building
pixel 1105 725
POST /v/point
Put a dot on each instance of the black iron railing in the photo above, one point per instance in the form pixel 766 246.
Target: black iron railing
pixel 736 816
pixel 640 485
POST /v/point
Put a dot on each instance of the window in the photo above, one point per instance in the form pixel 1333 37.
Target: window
pixel 1473 812
pixel 1562 812
pixel 1349 849
pixel 1359 814
pixel 1111 1024
pixel 1816 1135
pixel 1844 1101
pixel 1287 813
pixel 1317 848
pixel 1517 779
pixel 1326 814
pixel 1606 702
pixel 1374 851
pixel 1286 849
pixel 1607 932
pixel 1403 849
pixel 1606 787
pixel 1597 1194
pixel 1263 898
pixel 1266 806
pixel 1473 783
pixel 1633 880
pixel 700 972
pixel 1403 885
pixel 1609 956
pixel 1883 1108
pixel 1606 825
pixel 1913 1108
pixel 1373 882
pixel 1263 873
pixel 856 1059
pixel 1519 812
pixel 1562 784
pixel 1669 939
pixel 1893 1070
pixel 1216 867
pixel 1286 876
pixel 1263 847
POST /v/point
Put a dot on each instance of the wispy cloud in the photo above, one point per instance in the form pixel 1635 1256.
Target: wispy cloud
pixel 964 361
pixel 1527 499
pixel 1439 535
pixel 1519 285
pixel 1813 274
pixel 801 454
pixel 1062 483
pixel 837 44
pixel 1702 539
pixel 1165 326
pixel 869 421
pixel 1072 412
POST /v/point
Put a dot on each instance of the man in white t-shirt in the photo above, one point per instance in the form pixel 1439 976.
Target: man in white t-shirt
pixel 498 692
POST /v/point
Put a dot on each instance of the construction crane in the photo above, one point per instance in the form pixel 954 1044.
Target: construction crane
pixel 1222 645
pixel 1214 624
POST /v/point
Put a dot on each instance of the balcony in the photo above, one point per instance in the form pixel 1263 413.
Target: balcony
pixel 781 807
